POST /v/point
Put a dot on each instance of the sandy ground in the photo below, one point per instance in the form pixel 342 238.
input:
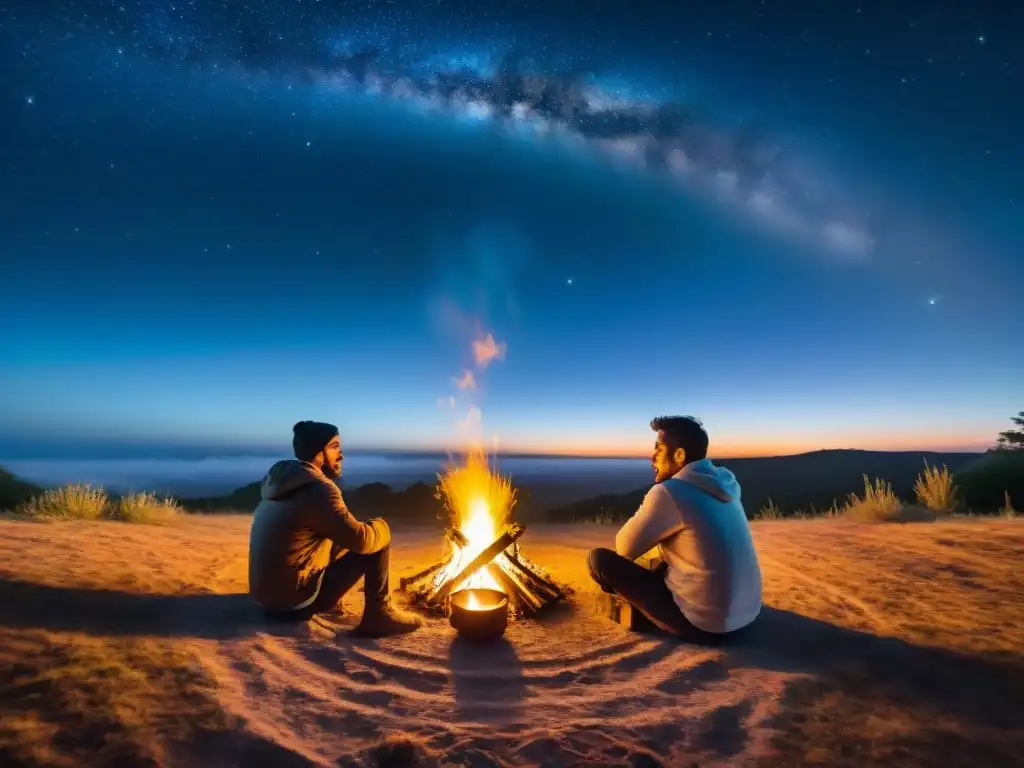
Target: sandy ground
pixel 879 645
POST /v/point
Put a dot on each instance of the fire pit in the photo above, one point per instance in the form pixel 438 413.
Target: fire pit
pixel 480 551
pixel 479 615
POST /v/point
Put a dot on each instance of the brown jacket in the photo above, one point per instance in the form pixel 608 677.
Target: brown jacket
pixel 301 517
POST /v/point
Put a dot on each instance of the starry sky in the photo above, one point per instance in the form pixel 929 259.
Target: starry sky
pixel 532 224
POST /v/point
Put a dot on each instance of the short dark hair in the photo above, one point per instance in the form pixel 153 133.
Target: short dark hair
pixel 684 432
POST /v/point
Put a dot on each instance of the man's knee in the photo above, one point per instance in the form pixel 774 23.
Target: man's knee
pixel 597 563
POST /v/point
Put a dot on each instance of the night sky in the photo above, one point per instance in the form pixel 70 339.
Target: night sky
pixel 802 222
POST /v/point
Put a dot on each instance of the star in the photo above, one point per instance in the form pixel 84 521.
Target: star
pixel 932 301
pixel 569 281
pixel 30 100
pixel 981 39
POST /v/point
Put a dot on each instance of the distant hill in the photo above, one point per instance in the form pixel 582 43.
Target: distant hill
pixel 794 483
pixel 15 491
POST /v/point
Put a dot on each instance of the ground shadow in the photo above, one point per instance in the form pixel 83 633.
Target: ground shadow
pixel 870 700
pixel 105 612
pixel 488 680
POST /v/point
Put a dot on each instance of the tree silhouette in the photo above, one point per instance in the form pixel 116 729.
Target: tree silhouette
pixel 1012 439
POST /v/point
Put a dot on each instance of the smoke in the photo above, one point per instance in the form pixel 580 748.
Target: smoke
pixel 487 349
pixel 469 426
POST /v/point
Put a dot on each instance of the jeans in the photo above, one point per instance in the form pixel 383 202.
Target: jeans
pixel 340 576
pixel 646 591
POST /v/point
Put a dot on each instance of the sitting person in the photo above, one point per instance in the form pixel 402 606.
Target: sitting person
pixel 709 584
pixel 306 550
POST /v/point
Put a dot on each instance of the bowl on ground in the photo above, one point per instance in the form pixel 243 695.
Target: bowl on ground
pixel 479 615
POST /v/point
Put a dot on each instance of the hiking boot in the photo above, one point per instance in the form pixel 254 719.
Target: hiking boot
pixel 384 620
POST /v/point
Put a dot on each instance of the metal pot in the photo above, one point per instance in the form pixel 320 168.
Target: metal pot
pixel 479 615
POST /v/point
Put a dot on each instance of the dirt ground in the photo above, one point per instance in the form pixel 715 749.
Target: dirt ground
pixel 879 645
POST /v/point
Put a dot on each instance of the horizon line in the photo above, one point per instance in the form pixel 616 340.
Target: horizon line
pixel 199 453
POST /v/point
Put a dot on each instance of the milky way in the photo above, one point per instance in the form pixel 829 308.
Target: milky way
pixel 550 97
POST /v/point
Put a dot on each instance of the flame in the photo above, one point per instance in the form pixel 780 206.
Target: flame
pixel 479 502
pixel 473 602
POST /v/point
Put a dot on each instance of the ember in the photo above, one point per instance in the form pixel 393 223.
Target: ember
pixel 480 549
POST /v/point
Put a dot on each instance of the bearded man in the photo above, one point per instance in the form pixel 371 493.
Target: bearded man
pixel 306 550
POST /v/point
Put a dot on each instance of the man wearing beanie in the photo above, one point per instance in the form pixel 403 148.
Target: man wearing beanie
pixel 306 550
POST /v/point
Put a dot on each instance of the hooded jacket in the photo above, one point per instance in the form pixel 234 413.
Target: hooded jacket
pixel 300 526
pixel 697 521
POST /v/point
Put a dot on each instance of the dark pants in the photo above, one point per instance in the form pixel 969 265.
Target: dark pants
pixel 645 590
pixel 340 576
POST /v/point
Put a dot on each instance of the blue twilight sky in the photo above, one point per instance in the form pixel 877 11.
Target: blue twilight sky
pixel 800 222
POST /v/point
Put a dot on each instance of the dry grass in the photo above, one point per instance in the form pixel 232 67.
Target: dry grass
pixel 1007 509
pixel 770 511
pixel 84 502
pixel 143 508
pixel 70 502
pixel 878 504
pixel 936 490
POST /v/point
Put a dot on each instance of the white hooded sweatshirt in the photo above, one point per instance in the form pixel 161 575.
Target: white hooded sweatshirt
pixel 696 519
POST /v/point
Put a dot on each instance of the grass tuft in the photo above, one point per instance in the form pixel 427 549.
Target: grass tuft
pixel 1007 508
pixel 878 504
pixel 70 502
pixel 143 507
pixel 770 511
pixel 84 502
pixel 936 490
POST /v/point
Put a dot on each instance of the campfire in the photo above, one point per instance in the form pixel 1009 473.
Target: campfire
pixel 480 550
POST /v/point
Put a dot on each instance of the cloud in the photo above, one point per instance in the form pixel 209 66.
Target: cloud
pixel 446 403
pixel 487 349
pixel 466 381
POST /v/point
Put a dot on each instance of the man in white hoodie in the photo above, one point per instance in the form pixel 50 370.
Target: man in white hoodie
pixel 709 583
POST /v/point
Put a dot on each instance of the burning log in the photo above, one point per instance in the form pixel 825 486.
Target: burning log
pixel 509 535
pixel 531 578
pixel 526 600
pixel 452 535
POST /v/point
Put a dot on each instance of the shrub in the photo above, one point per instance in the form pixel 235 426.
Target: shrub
pixel 936 490
pixel 71 502
pixel 879 503
pixel 143 508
